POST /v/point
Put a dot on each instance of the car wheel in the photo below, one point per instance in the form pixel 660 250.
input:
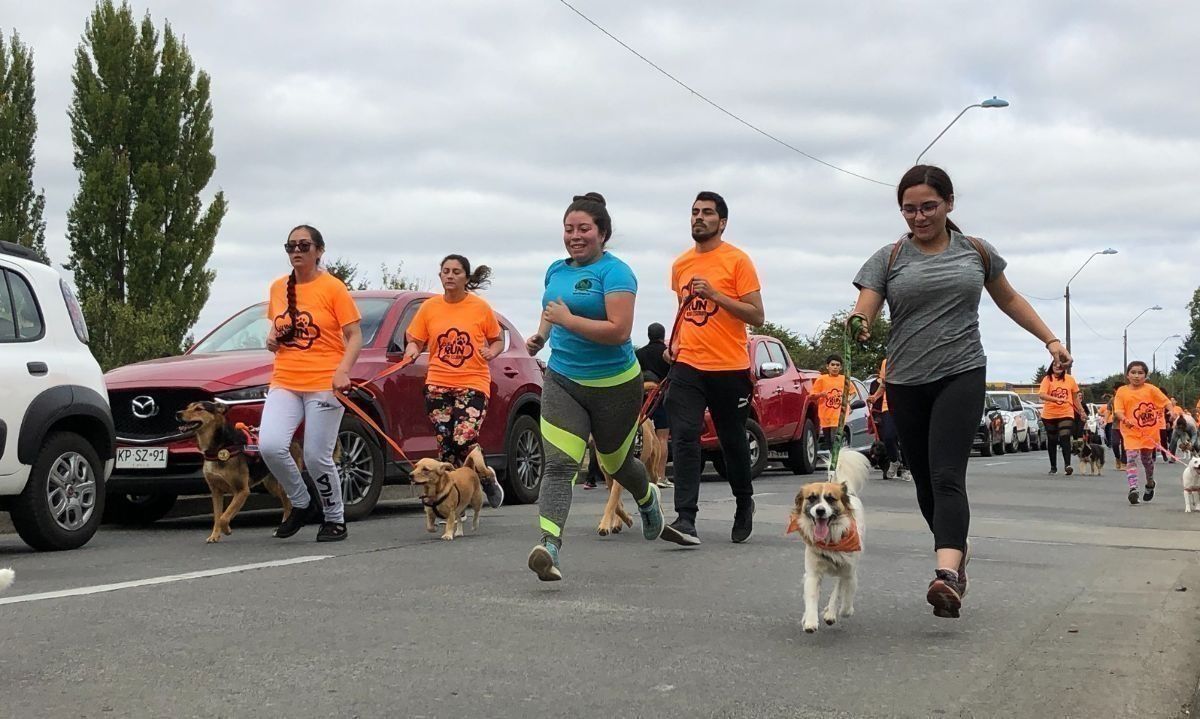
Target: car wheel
pixel 757 439
pixel 802 452
pixel 63 501
pixel 138 509
pixel 1014 447
pixel 359 460
pixel 526 461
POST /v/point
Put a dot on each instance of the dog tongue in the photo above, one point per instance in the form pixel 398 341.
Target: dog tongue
pixel 821 530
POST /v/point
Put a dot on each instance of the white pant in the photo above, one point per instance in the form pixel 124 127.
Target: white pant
pixel 322 416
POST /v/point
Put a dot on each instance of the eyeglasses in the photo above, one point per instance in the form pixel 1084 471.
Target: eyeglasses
pixel 301 247
pixel 926 209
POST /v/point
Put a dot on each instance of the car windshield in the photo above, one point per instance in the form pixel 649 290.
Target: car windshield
pixel 247 330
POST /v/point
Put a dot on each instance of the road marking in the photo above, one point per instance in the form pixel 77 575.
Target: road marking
pixel 168 579
pixel 995 464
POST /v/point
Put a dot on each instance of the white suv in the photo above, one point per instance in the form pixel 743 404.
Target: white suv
pixel 1016 425
pixel 56 429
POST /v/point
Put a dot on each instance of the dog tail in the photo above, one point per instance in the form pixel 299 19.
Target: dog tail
pixel 852 470
pixel 6 578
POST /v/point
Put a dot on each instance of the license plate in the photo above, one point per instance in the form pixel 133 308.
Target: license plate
pixel 141 458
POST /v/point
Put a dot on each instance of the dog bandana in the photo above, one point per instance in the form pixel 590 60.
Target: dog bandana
pixel 850 541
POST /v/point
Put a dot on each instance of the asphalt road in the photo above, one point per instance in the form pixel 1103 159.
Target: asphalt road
pixel 1077 609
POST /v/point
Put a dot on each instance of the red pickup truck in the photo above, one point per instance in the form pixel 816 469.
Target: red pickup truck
pixel 783 423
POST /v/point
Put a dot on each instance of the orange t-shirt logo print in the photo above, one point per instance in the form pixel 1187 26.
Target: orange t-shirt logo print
pixel 1146 415
pixel 833 400
pixel 1060 393
pixel 305 331
pixel 455 348
pixel 699 310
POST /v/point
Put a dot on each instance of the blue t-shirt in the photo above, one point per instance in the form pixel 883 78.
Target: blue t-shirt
pixel 583 289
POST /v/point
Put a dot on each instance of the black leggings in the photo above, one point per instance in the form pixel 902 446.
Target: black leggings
pixel 937 423
pixel 1058 435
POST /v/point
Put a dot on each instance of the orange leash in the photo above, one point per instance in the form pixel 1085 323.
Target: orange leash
pixel 362 387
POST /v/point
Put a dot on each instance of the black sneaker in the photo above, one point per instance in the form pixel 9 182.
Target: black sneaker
pixel 945 594
pixel 1068 471
pixel 331 532
pixel 1053 470
pixel 1133 498
pixel 743 522
pixel 1149 493
pixel 681 532
pixel 298 518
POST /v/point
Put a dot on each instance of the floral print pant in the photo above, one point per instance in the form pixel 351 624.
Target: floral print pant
pixel 457 416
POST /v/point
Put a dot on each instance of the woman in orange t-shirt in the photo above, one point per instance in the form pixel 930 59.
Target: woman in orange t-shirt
pixel 1138 407
pixel 462 335
pixel 316 338
pixel 1060 394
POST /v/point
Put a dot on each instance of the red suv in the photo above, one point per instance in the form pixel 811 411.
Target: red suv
pixel 155 462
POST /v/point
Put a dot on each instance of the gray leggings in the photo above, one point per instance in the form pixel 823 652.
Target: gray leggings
pixel 322 416
pixel 570 412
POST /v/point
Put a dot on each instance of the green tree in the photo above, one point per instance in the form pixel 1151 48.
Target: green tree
pixel 791 341
pixel 397 280
pixel 1188 355
pixel 1039 374
pixel 347 272
pixel 20 207
pixel 141 122
pixel 810 352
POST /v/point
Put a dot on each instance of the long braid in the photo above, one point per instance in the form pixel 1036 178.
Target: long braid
pixel 290 333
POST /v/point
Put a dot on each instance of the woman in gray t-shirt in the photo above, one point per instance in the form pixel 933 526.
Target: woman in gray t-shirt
pixel 932 279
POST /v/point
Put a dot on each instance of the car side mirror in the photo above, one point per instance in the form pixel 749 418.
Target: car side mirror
pixel 769 370
pixel 857 404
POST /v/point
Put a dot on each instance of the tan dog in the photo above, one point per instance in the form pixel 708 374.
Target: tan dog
pixel 226 470
pixel 614 510
pixel 448 492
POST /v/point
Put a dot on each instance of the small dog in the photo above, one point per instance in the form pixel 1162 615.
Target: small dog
pixel 1191 485
pixel 614 510
pixel 829 518
pixel 1091 456
pixel 7 576
pixel 226 470
pixel 1185 450
pixel 448 492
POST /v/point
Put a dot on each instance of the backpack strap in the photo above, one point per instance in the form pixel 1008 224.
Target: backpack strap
pixel 975 242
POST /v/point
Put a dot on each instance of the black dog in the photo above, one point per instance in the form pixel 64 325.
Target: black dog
pixel 1091 456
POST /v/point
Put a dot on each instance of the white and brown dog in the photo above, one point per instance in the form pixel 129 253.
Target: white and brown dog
pixel 829 518
pixel 1191 485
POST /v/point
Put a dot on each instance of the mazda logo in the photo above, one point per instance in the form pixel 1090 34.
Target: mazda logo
pixel 144 407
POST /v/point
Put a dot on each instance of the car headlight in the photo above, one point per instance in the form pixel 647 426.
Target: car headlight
pixel 240 396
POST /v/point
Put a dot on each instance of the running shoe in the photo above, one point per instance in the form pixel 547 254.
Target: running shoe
pixel 682 532
pixel 1068 471
pixel 743 521
pixel 543 560
pixel 652 516
pixel 493 490
pixel 891 471
pixel 331 532
pixel 962 569
pixel 299 517
pixel 666 483
pixel 1053 470
pixel 905 475
pixel 945 594
pixel 1133 497
pixel 1149 493
pixel 589 484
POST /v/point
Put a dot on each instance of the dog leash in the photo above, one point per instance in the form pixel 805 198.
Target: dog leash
pixel 364 389
pixel 853 325
pixel 656 395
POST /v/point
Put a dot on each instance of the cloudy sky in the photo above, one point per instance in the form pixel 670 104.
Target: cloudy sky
pixel 406 130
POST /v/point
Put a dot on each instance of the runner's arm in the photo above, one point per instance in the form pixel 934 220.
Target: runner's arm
pixel 352 335
pixel 413 348
pixel 615 330
pixel 748 309
pixel 493 348
pixel 535 343
pixel 867 307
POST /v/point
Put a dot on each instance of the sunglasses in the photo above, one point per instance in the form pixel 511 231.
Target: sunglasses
pixel 301 247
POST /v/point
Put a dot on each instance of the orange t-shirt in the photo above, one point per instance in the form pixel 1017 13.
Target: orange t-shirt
pixel 830 406
pixel 1144 407
pixel 710 338
pixel 1065 389
pixel 454 333
pixel 307 362
pixel 883 381
pixel 1102 413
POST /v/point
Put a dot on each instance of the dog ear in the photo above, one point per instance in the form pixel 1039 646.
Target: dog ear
pixel 220 408
pixel 446 467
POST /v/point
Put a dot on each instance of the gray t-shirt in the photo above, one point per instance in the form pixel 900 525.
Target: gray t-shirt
pixel 933 301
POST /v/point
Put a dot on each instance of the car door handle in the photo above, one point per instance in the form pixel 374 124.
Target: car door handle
pixel 779 390
pixel 37 369
pixel 509 372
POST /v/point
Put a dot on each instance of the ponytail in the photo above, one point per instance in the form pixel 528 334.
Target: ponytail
pixel 477 280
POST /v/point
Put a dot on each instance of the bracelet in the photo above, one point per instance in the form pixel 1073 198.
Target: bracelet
pixel 1052 341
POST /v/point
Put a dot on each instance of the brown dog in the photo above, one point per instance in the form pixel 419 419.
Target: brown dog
pixel 448 492
pixel 614 510
pixel 226 470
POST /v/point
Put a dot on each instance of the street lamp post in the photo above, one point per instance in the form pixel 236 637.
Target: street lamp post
pixel 1154 355
pixel 1067 294
pixel 994 102
pixel 1125 337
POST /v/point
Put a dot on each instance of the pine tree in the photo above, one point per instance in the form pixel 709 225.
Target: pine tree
pixel 140 239
pixel 20 207
pixel 1188 355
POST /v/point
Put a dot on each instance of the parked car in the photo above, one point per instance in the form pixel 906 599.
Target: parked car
pixel 1037 429
pixel 1016 431
pixel 989 436
pixel 783 424
pixel 56 430
pixel 155 462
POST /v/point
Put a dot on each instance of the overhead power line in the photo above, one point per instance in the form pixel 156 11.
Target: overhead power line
pixel 697 93
pixel 1085 324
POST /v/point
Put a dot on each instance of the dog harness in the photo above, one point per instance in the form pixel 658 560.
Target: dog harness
pixel 247 443
pixel 850 541
pixel 1191 489
pixel 433 503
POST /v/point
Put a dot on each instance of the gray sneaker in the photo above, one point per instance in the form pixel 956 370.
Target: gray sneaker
pixel 543 560
pixel 652 516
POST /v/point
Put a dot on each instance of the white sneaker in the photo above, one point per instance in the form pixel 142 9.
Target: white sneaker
pixel 891 470
pixel 905 475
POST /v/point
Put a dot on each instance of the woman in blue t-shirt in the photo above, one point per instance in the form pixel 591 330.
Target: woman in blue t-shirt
pixel 594 383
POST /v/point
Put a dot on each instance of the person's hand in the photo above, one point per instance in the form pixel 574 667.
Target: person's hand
pixel 534 343
pixel 273 340
pixel 1059 352
pixel 556 313
pixel 341 380
pixel 411 354
pixel 702 288
pixel 670 358
pixel 1059 400
pixel 486 353
pixel 864 331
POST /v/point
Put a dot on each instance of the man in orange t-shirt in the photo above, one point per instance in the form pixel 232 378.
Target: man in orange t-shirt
pixel 827 390
pixel 719 294
pixel 1138 408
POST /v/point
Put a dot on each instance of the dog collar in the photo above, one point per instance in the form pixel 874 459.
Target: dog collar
pixel 222 455
pixel 433 503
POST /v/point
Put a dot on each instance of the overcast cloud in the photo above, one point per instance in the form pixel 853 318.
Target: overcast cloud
pixel 408 130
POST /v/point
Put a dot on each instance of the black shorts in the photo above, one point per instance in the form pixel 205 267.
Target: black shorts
pixel 659 415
